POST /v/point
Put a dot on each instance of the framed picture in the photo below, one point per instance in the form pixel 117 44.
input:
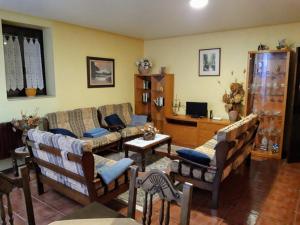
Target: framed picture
pixel 209 62
pixel 100 72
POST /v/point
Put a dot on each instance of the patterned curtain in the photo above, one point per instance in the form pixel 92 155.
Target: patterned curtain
pixel 33 63
pixel 13 63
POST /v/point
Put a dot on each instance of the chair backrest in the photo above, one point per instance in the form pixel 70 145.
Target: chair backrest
pixel 158 182
pixel 78 120
pixel 124 111
pixel 6 187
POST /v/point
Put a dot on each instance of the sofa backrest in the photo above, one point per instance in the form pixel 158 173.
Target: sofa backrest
pixel 124 111
pixel 234 130
pixel 57 153
pixel 78 120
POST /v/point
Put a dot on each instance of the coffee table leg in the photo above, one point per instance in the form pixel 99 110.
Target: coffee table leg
pixel 169 146
pixel 15 166
pixel 126 151
pixel 143 162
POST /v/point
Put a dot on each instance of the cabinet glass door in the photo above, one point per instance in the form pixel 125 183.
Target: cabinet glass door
pixel 267 90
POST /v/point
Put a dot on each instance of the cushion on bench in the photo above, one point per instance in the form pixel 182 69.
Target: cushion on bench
pixel 103 140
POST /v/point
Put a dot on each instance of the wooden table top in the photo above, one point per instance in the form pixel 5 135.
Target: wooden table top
pixel 103 221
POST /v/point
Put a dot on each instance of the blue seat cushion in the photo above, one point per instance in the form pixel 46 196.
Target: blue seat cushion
pixel 194 156
pixel 63 132
pixel 111 173
pixel 138 120
pixel 114 120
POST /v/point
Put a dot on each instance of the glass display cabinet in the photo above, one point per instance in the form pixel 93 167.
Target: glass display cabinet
pixel 267 83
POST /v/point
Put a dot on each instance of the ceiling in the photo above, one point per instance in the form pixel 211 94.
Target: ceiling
pixel 151 19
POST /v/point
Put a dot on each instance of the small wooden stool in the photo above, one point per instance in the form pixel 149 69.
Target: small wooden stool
pixel 19 153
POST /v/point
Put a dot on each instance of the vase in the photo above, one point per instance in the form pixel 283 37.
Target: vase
pixel 143 71
pixel 233 116
pixel 30 92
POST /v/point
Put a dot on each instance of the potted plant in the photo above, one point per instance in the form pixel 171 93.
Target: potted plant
pixel 234 101
pixel 144 66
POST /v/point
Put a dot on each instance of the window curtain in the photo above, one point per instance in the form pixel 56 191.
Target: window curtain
pixel 13 63
pixel 33 63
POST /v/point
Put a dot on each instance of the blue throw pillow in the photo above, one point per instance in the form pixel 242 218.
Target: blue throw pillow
pixel 194 156
pixel 63 132
pixel 96 132
pixel 138 120
pixel 114 120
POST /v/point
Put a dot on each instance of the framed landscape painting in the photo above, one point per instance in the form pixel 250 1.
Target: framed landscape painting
pixel 100 72
pixel 209 62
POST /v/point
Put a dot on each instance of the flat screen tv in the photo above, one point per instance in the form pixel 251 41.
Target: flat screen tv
pixel 196 109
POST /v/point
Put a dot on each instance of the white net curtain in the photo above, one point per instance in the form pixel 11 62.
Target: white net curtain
pixel 13 64
pixel 14 67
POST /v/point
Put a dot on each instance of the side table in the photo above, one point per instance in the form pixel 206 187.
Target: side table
pixel 19 153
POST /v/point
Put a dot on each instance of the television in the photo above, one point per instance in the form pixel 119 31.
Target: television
pixel 196 109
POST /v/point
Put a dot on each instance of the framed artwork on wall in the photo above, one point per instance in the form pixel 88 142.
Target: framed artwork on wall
pixel 209 62
pixel 100 72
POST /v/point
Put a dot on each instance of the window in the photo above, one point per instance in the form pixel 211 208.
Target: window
pixel 24 60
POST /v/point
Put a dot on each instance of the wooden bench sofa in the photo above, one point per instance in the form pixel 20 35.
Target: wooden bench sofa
pixel 227 150
pixel 68 165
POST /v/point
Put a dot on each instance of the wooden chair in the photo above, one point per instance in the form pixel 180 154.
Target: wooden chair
pixel 7 185
pixel 158 182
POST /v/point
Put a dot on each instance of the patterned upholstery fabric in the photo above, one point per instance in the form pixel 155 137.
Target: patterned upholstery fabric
pixel 68 144
pixel 229 133
pixel 103 140
pixel 80 120
pixel 124 111
pixel 131 131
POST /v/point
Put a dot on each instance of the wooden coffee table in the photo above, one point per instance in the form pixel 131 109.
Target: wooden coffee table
pixel 141 146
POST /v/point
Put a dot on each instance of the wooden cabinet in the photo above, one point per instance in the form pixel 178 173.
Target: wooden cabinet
pixel 192 132
pixel 154 96
pixel 267 85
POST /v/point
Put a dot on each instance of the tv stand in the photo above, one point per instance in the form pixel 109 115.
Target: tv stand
pixel 191 132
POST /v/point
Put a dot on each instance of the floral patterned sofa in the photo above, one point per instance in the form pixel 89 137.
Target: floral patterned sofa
pixel 124 111
pixel 227 150
pixel 67 165
pixel 80 120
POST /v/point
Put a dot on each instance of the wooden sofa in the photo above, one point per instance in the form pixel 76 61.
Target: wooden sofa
pixel 124 111
pixel 80 120
pixel 227 150
pixel 68 165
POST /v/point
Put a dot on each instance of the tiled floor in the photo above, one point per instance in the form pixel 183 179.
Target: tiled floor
pixel 266 193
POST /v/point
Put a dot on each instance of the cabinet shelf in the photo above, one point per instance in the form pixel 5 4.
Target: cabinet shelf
pixel 161 89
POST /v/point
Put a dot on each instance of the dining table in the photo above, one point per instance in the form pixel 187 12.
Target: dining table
pixel 95 214
pixel 99 221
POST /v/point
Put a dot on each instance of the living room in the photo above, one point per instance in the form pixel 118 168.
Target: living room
pixel 77 40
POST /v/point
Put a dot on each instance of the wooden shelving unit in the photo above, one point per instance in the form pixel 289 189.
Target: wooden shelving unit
pixel 154 96
pixel 267 85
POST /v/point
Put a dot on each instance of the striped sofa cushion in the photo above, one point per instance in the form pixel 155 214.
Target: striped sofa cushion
pixel 78 120
pixel 124 111
pixel 232 131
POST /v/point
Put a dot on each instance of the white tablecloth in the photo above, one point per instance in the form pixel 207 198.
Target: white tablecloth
pixel 140 142
pixel 104 221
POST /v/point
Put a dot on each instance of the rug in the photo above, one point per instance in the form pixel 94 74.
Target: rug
pixel 153 161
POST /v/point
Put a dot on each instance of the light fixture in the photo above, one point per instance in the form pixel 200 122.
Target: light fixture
pixel 198 4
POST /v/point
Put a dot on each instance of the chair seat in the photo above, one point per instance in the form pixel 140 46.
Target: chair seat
pixel 103 140
pixel 131 131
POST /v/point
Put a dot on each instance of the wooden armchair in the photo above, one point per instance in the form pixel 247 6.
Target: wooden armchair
pixel 6 187
pixel 158 182
pixel 231 147
pixel 67 165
